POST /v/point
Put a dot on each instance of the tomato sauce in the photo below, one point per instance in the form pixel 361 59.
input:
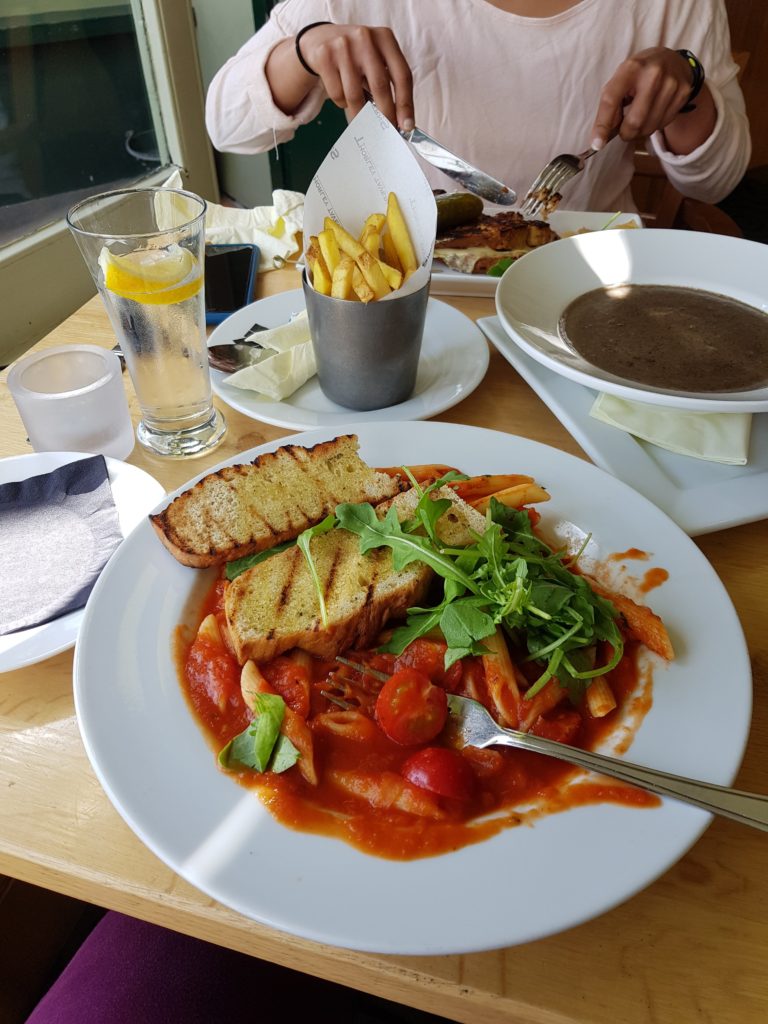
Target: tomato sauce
pixel 511 786
pixel 653 578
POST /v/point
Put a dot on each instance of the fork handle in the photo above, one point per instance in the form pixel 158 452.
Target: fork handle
pixel 747 808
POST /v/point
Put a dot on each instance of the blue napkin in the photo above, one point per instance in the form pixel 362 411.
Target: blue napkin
pixel 57 532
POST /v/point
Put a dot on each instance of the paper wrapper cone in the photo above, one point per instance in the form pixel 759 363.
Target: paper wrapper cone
pixel 370 160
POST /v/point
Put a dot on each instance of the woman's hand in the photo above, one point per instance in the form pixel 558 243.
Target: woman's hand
pixel 646 94
pixel 349 60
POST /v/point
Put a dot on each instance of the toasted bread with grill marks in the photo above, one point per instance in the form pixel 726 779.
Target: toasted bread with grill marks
pixel 240 510
pixel 274 606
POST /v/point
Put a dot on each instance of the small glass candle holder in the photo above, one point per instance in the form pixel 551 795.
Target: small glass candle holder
pixel 72 399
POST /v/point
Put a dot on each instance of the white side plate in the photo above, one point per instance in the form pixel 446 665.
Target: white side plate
pixel 135 493
pixel 454 358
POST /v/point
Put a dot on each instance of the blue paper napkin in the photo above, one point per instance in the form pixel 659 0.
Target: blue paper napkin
pixel 57 532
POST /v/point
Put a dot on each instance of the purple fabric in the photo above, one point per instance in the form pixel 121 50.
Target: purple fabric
pixel 131 972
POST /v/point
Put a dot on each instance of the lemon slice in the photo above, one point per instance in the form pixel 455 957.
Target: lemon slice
pixel 152 276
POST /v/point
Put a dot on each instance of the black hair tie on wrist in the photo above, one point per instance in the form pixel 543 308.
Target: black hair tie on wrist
pixel 697 71
pixel 297 41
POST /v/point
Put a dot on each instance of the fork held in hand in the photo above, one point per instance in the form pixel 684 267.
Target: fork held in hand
pixel 544 193
pixel 474 727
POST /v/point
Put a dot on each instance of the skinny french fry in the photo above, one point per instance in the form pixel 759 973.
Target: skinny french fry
pixel 320 277
pixel 378 236
pixel 390 253
pixel 393 277
pixel 400 235
pixel 345 241
pixel 513 497
pixel 330 249
pixel 313 250
pixel 370 236
pixel 360 286
pixel 371 271
pixel 341 284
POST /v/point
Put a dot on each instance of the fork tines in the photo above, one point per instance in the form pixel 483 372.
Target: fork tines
pixel 546 187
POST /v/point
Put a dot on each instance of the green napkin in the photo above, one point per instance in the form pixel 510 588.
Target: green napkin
pixel 715 436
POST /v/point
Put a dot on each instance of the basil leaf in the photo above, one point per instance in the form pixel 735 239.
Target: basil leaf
pixel 284 756
pixel 252 748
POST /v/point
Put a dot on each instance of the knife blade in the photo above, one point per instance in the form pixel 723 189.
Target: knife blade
pixel 469 177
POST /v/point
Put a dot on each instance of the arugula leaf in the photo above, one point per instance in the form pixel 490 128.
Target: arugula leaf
pixel 406 548
pixel 508 577
pixel 261 745
pixel 303 541
pixel 240 565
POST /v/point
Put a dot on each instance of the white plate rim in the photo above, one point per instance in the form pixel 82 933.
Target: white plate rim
pixel 211 867
pixel 456 378
pixel 662 241
pixel 135 492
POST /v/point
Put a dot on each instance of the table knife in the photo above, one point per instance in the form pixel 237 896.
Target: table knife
pixel 469 177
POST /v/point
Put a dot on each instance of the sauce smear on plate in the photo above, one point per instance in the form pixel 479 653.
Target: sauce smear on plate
pixel 683 339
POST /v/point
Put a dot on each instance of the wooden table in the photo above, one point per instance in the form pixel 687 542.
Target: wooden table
pixel 691 948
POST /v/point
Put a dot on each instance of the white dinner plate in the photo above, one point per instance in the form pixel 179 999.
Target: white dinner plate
pixel 135 493
pixel 446 281
pixel 534 292
pixel 524 883
pixel 700 496
pixel 454 358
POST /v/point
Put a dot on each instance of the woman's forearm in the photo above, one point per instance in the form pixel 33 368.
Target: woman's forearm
pixel 688 131
pixel 289 82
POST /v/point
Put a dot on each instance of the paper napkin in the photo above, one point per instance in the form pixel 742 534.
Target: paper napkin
pixel 57 532
pixel 288 361
pixel 276 229
pixel 714 436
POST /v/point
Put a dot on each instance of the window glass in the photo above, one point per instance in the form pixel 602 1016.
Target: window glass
pixel 77 107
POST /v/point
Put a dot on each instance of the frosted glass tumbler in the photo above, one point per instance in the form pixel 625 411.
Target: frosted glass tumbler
pixel 72 399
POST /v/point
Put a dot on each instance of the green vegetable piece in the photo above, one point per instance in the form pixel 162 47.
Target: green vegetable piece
pixel 261 746
pixel 303 541
pixel 499 267
pixel 240 565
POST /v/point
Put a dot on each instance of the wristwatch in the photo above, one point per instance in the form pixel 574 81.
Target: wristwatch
pixel 697 71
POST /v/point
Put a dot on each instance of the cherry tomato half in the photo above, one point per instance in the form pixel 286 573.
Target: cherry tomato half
pixel 428 656
pixel 442 771
pixel 410 709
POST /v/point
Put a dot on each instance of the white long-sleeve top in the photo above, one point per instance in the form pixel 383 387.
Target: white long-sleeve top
pixel 508 92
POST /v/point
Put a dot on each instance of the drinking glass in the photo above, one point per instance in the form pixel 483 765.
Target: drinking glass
pixel 144 249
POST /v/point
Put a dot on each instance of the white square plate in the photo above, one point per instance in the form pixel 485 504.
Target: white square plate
pixel 564 222
pixel 700 496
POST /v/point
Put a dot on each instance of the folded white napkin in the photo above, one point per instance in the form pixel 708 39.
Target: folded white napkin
pixel 276 229
pixel 286 362
pixel 715 436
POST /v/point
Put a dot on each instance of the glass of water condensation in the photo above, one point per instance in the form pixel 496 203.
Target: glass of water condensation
pixel 145 251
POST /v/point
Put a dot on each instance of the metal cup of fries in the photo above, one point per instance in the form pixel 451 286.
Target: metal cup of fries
pixel 366 336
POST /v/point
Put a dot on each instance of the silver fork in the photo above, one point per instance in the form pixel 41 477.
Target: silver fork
pixel 544 193
pixel 472 725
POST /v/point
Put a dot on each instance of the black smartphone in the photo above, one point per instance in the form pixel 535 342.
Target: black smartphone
pixel 230 274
